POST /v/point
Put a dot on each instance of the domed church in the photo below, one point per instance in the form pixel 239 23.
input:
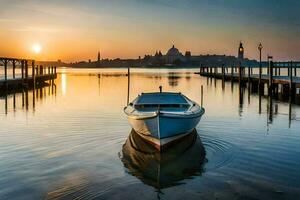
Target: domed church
pixel 173 54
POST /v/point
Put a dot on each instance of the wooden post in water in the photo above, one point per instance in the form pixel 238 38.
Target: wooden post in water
pixel 5 73
pixel 54 70
pixel 201 95
pixel 291 77
pixel 223 73
pixel 22 70
pixel 41 70
pixel 128 85
pixel 295 71
pixel 26 73
pixel 36 70
pixel 240 74
pixel 249 72
pixel 33 75
pixel 270 77
pixel 232 73
pixel 14 68
pixel 279 71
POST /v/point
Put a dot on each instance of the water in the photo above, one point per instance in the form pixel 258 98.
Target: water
pixel 73 141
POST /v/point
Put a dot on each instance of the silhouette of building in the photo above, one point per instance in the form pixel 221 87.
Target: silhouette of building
pixel 241 51
pixel 173 54
pixel 188 54
pixel 98 56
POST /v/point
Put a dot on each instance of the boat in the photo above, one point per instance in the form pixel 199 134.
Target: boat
pixel 162 118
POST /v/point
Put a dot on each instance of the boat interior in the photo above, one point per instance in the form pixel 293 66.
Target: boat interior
pixel 174 102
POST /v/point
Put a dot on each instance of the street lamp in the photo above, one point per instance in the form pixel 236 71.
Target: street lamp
pixel 260 47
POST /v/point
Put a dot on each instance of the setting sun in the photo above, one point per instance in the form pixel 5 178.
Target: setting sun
pixel 37 48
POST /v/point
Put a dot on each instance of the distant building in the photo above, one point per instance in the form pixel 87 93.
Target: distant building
pixel 172 55
pixel 188 54
pixel 241 51
pixel 98 56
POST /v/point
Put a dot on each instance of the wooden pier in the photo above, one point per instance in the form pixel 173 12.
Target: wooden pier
pixel 29 74
pixel 273 78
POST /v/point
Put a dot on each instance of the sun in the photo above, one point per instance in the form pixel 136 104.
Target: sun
pixel 36 48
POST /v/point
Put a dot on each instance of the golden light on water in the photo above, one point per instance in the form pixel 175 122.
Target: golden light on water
pixel 64 84
pixel 36 48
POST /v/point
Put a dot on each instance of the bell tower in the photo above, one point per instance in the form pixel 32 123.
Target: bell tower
pixel 98 56
pixel 241 51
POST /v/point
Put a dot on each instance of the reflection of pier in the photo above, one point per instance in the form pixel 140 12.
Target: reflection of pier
pixel 272 104
pixel 27 98
pixel 22 73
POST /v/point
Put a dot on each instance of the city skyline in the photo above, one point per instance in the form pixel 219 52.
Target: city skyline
pixel 75 30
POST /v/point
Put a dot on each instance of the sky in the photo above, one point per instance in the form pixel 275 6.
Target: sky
pixel 74 30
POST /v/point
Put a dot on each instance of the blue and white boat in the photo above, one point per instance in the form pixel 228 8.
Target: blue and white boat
pixel 163 117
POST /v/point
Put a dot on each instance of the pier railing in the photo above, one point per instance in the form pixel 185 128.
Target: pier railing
pixel 18 73
pixel 275 74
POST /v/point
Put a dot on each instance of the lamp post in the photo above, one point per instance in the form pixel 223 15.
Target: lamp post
pixel 260 47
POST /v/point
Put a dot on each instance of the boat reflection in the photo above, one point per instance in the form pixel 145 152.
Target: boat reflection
pixel 163 169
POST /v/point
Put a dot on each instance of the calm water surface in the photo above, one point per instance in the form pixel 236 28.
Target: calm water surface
pixel 73 141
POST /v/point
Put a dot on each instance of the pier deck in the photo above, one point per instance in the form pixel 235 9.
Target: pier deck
pixel 273 77
pixel 11 80
pixel 254 77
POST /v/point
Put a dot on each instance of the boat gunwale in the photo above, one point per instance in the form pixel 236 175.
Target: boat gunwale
pixel 164 114
pixel 141 115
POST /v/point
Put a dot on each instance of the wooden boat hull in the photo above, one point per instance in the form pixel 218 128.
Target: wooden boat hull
pixel 164 128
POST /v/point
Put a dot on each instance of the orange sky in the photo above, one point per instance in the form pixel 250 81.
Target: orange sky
pixel 73 31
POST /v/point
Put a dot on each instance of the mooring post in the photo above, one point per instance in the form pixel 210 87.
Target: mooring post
pixel 270 77
pixel 5 73
pixel 128 85
pixel 279 71
pixel 22 70
pixel 223 72
pixel 48 70
pixel 36 70
pixel 231 72
pixel 201 95
pixel 295 71
pixel 240 73
pixel 26 70
pixel 14 68
pixel 249 71
pixel 291 76
pixel 41 69
pixel 33 74
pixel 55 70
